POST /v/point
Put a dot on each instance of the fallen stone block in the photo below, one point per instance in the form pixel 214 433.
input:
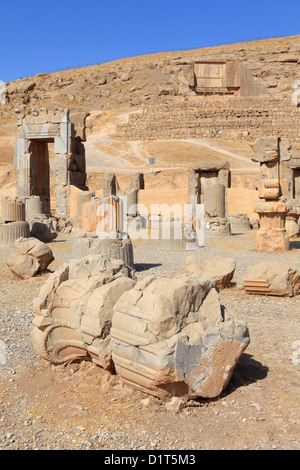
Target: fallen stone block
pixel 239 222
pixel 74 310
pixel 30 258
pixel 218 270
pixel 272 279
pixel 171 337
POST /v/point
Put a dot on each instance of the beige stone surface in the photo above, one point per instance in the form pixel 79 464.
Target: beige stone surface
pixel 241 200
pixel 272 279
pixel 171 337
pixel 30 257
pixel 217 269
pixel 74 310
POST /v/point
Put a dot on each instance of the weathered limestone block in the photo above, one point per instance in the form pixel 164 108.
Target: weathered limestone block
pixel 74 310
pixel 272 279
pixel 239 222
pixel 90 244
pixel 219 270
pixel 13 209
pixel 171 337
pixel 218 226
pixel 272 235
pixel 267 149
pixel 35 206
pixel 30 257
pixel 10 232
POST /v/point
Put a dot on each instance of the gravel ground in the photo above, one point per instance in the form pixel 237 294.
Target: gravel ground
pixel 81 406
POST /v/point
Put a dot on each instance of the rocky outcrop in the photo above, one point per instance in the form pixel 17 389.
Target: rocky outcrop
pixel 171 337
pixel 217 269
pixel 74 310
pixel 30 258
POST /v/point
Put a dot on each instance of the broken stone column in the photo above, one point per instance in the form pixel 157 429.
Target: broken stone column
pixel 215 200
pixel 13 225
pixel 74 311
pixel 35 207
pixel 12 209
pixel 272 209
pixel 272 279
pixel 86 243
pixel 272 235
pixel 10 232
pixel 171 337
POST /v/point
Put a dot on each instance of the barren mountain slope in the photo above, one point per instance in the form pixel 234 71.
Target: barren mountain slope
pixel 110 91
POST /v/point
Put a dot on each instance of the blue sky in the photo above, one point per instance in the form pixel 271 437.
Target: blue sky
pixel 39 36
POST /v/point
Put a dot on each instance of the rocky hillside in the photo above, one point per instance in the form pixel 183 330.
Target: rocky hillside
pixel 111 90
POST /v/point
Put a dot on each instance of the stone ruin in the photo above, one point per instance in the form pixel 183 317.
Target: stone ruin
pixel 40 179
pixel 13 221
pixel 165 336
pixel 278 193
pixel 215 77
pixel 207 185
pixel 32 163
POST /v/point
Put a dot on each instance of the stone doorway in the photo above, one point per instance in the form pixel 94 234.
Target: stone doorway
pixel 40 173
pixel 41 134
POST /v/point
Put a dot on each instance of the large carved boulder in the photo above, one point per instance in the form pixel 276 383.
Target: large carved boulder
pixel 30 258
pixel 275 279
pixel 74 310
pixel 217 269
pixel 171 337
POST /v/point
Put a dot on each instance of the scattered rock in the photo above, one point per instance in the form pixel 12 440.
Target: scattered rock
pixel 272 279
pixel 30 257
pixel 218 270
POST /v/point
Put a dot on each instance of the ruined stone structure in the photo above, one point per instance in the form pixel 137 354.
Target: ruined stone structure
pixel 35 131
pixel 241 118
pixel 13 223
pixel 218 77
pixel 207 185
pixel 272 209
pixel 272 279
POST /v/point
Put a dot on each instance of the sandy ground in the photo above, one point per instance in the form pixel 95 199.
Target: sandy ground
pixel 81 406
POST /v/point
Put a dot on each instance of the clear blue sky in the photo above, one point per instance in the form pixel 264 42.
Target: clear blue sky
pixel 45 36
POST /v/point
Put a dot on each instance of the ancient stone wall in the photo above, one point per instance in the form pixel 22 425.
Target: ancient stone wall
pixel 230 118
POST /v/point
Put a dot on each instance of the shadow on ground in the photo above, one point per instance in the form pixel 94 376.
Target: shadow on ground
pixel 246 372
pixel 139 267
